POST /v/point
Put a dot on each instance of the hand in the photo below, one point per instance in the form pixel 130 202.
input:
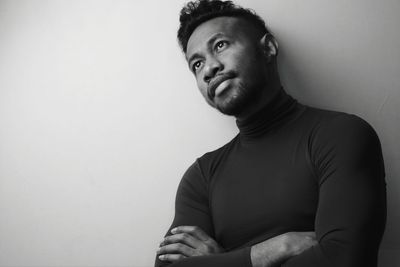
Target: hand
pixel 187 241
pixel 276 250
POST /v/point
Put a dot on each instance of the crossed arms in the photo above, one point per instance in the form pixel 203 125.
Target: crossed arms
pixel 349 222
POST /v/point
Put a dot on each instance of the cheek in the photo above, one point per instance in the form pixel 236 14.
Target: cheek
pixel 202 86
pixel 240 61
pixel 230 59
pixel 252 68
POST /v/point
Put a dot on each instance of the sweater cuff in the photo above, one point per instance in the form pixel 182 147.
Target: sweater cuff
pixel 245 255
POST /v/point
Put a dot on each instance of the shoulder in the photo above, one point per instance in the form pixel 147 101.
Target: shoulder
pixel 344 140
pixel 341 128
pixel 200 171
pixel 210 161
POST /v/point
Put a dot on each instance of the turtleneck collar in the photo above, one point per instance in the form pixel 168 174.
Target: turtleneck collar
pixel 278 110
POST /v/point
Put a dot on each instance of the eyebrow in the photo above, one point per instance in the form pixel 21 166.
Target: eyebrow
pixel 209 42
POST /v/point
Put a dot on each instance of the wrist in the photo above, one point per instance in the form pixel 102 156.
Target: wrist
pixel 258 255
pixel 285 246
pixel 271 252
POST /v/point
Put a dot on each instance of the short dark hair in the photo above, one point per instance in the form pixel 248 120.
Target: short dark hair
pixel 196 12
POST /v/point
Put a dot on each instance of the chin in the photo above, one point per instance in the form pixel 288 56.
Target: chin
pixel 234 103
pixel 230 108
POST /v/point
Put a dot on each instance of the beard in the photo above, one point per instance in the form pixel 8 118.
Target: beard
pixel 242 97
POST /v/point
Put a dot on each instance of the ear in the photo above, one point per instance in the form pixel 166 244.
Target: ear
pixel 269 46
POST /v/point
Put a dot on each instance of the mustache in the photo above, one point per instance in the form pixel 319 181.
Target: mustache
pixel 217 80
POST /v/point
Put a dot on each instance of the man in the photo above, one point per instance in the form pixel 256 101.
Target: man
pixel 298 186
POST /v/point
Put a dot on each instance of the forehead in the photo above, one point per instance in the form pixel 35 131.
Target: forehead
pixel 229 26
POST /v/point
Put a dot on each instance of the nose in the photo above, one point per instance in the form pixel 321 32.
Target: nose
pixel 212 67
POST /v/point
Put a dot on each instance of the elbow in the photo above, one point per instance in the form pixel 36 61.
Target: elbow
pixel 336 253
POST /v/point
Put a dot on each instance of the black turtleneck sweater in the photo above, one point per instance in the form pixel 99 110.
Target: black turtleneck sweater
pixel 290 168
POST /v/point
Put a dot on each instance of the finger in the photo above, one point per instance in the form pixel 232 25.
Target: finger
pixel 171 257
pixel 176 248
pixel 183 238
pixel 193 230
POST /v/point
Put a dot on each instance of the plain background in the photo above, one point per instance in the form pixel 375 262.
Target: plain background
pixel 100 117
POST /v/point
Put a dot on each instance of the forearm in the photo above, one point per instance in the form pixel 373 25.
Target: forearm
pixel 276 250
pixel 236 258
pixel 267 254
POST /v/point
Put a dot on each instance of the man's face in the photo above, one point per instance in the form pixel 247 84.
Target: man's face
pixel 225 57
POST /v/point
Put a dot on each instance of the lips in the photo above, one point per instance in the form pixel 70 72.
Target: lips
pixel 214 83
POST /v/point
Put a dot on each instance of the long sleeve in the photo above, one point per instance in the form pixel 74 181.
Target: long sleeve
pixel 192 208
pixel 351 214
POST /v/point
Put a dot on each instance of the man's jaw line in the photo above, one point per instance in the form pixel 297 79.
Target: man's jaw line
pixel 263 99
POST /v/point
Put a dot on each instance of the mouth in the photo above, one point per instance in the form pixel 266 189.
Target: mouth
pixel 218 84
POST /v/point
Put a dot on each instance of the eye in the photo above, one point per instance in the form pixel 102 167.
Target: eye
pixel 220 45
pixel 196 65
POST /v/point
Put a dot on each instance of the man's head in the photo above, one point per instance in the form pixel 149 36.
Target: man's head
pixel 230 52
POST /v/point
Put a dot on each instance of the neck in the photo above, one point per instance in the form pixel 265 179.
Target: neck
pixel 280 108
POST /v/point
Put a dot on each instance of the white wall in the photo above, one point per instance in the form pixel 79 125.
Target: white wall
pixel 99 116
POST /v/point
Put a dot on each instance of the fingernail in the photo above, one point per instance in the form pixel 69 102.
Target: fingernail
pixel 161 257
pixel 173 230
